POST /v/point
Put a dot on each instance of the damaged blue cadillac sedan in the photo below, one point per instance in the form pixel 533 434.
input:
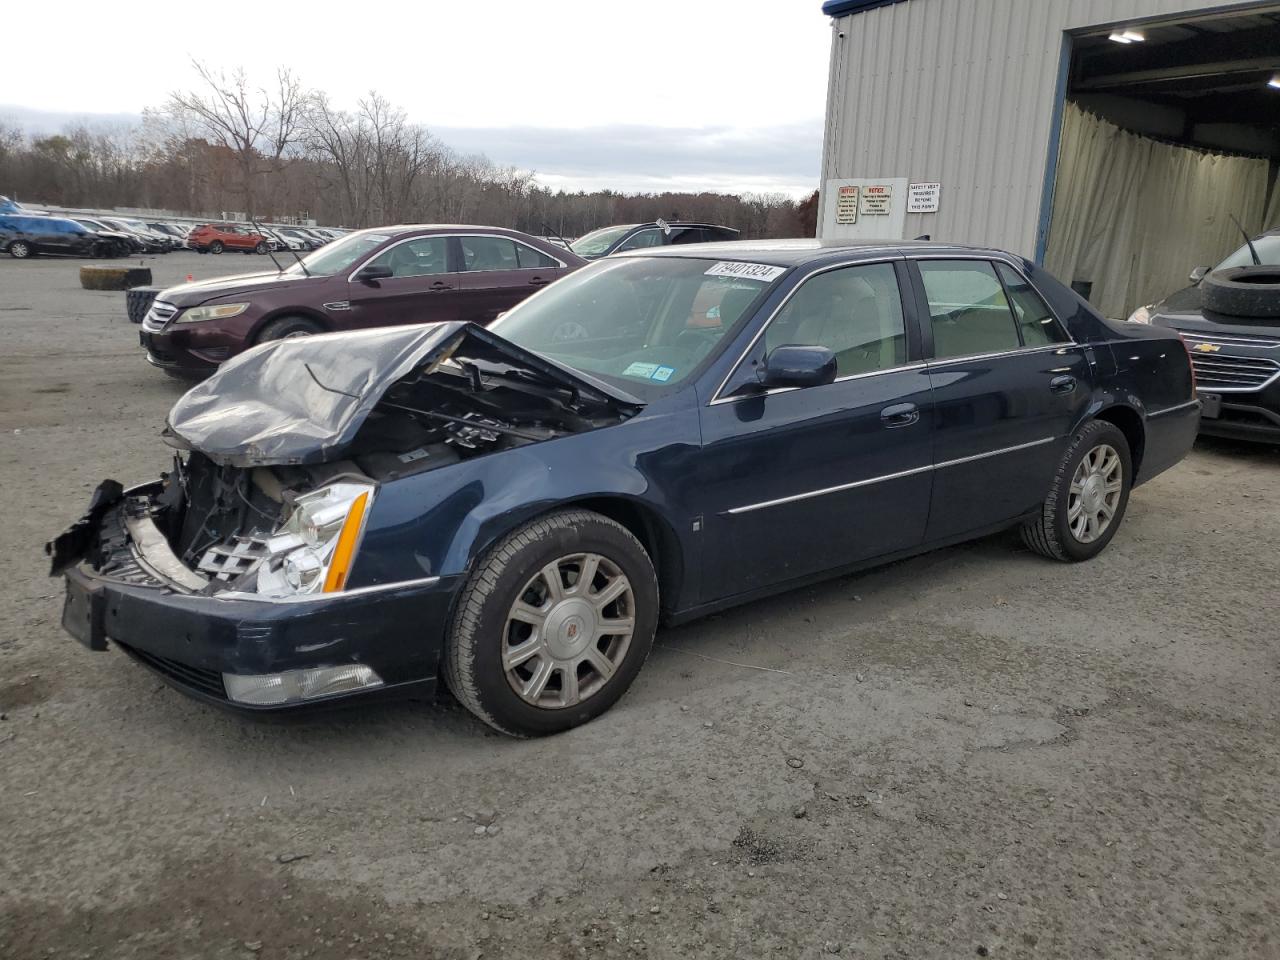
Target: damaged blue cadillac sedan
pixel 514 510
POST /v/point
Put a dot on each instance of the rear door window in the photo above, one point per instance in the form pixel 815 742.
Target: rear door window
pixel 968 310
pixel 528 258
pixel 1036 322
pixel 481 254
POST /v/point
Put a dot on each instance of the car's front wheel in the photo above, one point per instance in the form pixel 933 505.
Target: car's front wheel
pixel 1088 496
pixel 20 250
pixel 215 247
pixel 286 328
pixel 553 625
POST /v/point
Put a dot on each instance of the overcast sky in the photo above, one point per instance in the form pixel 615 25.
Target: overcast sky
pixel 642 95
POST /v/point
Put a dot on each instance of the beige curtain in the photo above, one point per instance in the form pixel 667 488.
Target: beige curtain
pixel 1272 221
pixel 1133 215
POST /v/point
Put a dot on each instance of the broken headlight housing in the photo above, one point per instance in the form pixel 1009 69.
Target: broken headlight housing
pixel 312 552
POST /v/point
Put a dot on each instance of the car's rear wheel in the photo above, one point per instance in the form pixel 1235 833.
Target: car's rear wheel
pixel 1088 496
pixel 286 328
pixel 216 247
pixel 20 250
pixel 553 625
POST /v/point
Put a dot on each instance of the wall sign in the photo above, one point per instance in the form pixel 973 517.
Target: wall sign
pixel 863 208
pixel 876 200
pixel 923 197
pixel 847 205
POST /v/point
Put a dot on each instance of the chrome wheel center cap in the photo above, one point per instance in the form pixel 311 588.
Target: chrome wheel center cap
pixel 571 627
pixel 1091 493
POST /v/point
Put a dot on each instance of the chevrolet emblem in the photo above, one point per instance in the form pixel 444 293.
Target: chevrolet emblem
pixel 1206 347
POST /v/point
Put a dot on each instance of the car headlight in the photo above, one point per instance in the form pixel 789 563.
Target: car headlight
pixel 312 551
pixel 218 311
pixel 1142 314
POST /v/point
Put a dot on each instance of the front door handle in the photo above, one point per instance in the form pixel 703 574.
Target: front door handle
pixel 1063 384
pixel 899 415
pixel 538 282
pixel 440 285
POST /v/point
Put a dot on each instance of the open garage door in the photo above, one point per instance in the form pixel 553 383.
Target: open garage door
pixel 1170 129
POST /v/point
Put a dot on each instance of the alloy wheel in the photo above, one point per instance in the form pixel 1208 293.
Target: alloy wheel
pixel 568 631
pixel 1095 493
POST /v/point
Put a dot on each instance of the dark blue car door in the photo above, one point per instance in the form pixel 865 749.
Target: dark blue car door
pixel 794 482
pixel 1008 385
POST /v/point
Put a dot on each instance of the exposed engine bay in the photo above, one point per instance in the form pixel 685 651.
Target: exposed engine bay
pixel 425 423
pixel 273 503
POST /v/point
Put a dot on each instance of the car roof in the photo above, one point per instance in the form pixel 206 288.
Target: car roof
pixel 791 253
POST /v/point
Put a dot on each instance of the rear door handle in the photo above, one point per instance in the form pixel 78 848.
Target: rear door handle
pixel 538 282
pixel 899 415
pixel 1063 384
pixel 440 285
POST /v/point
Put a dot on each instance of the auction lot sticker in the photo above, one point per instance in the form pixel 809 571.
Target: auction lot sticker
pixel 763 272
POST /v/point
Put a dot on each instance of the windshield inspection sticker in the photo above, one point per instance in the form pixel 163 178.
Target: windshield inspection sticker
pixel 662 374
pixel 645 370
pixel 746 271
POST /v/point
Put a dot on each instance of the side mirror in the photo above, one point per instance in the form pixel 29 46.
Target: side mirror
pixel 371 273
pixel 1197 274
pixel 795 366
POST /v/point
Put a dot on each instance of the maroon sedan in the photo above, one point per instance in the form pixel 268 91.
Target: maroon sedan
pixel 372 278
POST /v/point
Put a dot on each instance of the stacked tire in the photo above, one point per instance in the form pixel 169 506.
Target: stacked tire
pixel 1243 292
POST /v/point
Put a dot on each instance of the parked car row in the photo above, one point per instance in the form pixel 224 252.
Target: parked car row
pixel 223 237
pixel 27 233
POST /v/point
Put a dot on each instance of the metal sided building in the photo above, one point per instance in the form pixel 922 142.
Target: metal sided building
pixel 1113 141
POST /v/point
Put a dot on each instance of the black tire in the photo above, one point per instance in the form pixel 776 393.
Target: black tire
pixel 260 249
pixel 1243 291
pixel 283 328
pixel 138 301
pixel 1050 534
pixel 21 250
pixel 473 667
pixel 216 247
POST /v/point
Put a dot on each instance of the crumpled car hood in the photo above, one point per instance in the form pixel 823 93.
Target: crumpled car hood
pixel 303 400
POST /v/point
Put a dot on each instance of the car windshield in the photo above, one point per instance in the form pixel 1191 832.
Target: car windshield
pixel 338 256
pixel 597 242
pixel 1268 248
pixel 641 323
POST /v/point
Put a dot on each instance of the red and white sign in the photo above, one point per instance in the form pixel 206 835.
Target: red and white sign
pixel 876 200
pixel 847 205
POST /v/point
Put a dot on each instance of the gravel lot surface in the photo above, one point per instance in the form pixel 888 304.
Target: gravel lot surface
pixel 973 753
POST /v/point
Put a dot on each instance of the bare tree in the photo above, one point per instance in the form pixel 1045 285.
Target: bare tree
pixel 339 144
pixel 257 125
